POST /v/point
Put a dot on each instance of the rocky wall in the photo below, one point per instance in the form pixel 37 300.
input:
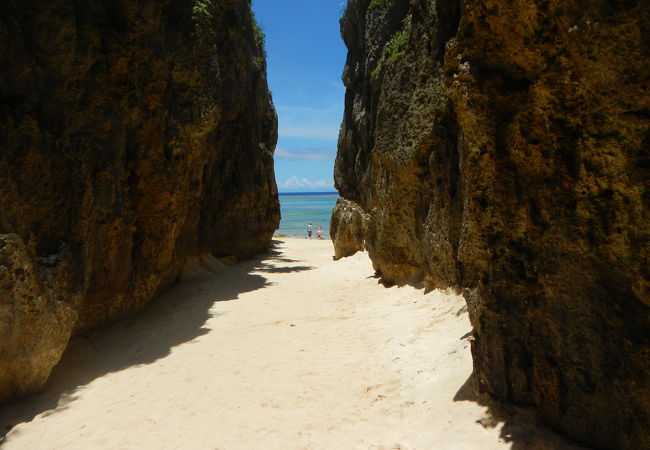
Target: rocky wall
pixel 503 148
pixel 132 135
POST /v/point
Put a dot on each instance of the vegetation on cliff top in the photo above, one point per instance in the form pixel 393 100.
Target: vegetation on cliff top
pixel 258 32
pixel 203 10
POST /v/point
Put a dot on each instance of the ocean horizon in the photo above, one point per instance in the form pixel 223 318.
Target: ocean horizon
pixel 298 209
pixel 308 194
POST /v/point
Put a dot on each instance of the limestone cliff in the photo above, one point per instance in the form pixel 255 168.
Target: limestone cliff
pixel 503 148
pixel 132 135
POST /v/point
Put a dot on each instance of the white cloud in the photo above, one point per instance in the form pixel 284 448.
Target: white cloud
pixel 293 182
pixel 303 154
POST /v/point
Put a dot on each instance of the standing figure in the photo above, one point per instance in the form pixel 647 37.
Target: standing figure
pixel 309 230
pixel 319 231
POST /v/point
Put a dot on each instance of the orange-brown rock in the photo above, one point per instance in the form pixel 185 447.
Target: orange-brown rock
pixel 503 148
pixel 348 238
pixel 132 136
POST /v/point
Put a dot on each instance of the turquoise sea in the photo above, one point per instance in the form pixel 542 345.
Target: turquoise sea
pixel 300 208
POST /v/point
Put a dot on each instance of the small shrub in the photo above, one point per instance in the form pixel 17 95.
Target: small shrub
pixel 394 49
pixel 200 9
pixel 379 4
pixel 260 37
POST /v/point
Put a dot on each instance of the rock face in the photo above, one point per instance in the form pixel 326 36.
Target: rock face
pixel 133 135
pixel 347 228
pixel 503 148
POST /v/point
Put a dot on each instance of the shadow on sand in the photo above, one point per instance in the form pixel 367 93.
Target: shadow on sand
pixel 522 427
pixel 175 317
pixel 277 255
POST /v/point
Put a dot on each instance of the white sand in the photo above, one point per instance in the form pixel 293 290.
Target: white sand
pixel 289 351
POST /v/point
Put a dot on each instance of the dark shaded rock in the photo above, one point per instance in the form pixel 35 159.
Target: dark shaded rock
pixel 132 135
pixel 502 148
pixel 34 324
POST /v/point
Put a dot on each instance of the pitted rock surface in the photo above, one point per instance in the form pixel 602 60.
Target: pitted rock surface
pixel 502 148
pixel 133 135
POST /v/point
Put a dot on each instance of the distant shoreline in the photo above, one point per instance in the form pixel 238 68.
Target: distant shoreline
pixel 308 194
pixel 284 236
pixel 301 208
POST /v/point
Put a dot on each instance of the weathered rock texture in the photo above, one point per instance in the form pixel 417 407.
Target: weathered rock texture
pixel 347 228
pixel 132 135
pixel 503 147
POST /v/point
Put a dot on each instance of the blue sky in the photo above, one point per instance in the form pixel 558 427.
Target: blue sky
pixel 305 58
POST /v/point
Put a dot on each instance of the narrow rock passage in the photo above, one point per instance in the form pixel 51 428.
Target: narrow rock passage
pixel 291 350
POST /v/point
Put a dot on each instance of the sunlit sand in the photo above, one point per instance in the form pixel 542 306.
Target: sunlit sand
pixel 288 351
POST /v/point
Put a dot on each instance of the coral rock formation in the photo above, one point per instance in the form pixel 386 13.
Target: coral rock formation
pixel 348 239
pixel 133 135
pixel 503 148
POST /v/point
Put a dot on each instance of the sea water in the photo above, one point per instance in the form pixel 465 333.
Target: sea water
pixel 300 208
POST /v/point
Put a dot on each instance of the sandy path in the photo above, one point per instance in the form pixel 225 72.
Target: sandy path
pixel 289 351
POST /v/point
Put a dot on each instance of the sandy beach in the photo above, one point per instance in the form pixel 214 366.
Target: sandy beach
pixel 291 350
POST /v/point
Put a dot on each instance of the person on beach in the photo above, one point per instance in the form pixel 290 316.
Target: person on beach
pixel 319 231
pixel 309 230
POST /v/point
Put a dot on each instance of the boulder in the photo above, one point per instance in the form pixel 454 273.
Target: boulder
pixel 347 228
